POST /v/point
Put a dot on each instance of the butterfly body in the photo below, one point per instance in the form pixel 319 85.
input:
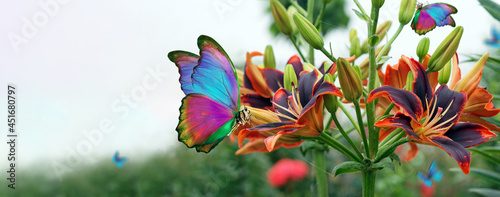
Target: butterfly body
pixel 433 174
pixel 211 108
pixel 118 160
pixel 428 17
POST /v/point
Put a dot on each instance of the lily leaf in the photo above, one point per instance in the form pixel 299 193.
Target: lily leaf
pixel 383 59
pixel 348 167
pixel 486 192
pixel 384 164
pixel 361 15
pixel 485 175
pixel 492 8
pixel 486 155
pixel 373 40
pixel 491 149
pixel 395 157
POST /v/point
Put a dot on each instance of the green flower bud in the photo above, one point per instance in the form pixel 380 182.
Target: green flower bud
pixel 423 47
pixel 291 10
pixel 355 47
pixel 445 50
pixel 377 3
pixel 269 61
pixel 444 73
pixel 289 77
pixel 409 81
pixel 281 18
pixel 349 80
pixel 330 100
pixel 308 31
pixel 406 11
pixel 326 66
pixel 352 34
pixel 364 66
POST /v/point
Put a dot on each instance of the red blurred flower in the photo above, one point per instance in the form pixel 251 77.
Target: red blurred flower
pixel 286 170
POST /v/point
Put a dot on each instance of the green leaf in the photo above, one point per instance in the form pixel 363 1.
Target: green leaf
pixel 384 164
pixel 348 167
pixel 485 175
pixel 492 8
pixel 486 155
pixel 485 192
pixel 383 59
pixel 395 157
pixel 491 149
pixel 361 15
pixel 373 40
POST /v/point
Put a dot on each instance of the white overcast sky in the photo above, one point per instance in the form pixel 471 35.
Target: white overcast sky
pixel 81 58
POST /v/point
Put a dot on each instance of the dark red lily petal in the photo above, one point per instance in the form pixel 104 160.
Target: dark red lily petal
pixel 408 101
pixel 246 81
pixel 256 100
pixel 324 88
pixel 469 134
pixel 455 150
pixel 421 85
pixel 446 97
pixel 274 78
pixel 296 63
pixel 307 81
pixel 281 99
pixel 401 121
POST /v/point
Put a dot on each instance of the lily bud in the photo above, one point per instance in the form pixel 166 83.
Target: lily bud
pixel 472 78
pixel 445 50
pixel 444 73
pixel 291 10
pixel 289 77
pixel 377 3
pixel 308 66
pixel 308 31
pixel 269 61
pixel 349 80
pixel 406 11
pixel 423 47
pixel 281 18
pixel 330 100
pixel 409 81
pixel 352 34
pixel 355 47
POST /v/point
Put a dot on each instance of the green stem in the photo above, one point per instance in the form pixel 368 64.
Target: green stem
pixel 320 16
pixel 389 43
pixel 360 122
pixel 338 146
pixel 369 182
pixel 384 152
pixel 347 131
pixel 390 136
pixel 320 169
pixel 297 47
pixel 299 8
pixel 399 135
pixel 360 7
pixel 327 54
pixel 337 123
pixel 370 107
pixel 349 116
pixel 388 109
pixel 310 18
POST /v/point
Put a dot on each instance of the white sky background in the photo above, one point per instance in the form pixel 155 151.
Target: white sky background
pixel 90 54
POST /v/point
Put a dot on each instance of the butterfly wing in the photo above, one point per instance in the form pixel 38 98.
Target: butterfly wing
pixel 115 157
pixel 120 162
pixel 430 16
pixel 203 122
pixel 441 12
pixel 186 62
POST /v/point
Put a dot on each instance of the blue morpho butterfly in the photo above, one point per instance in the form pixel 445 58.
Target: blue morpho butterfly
pixel 433 174
pixel 118 160
pixel 211 108
pixel 428 17
pixel 493 42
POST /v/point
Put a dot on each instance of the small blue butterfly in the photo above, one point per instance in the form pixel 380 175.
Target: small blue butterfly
pixel 119 160
pixel 433 174
pixel 493 42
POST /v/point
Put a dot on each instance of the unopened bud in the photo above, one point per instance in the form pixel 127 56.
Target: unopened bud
pixel 377 3
pixel 330 100
pixel 308 31
pixel 269 61
pixel 290 11
pixel 445 50
pixel 406 11
pixel 349 80
pixel 281 18
pixel 423 47
pixel 355 47
pixel 409 81
pixel 289 77
pixel 353 34
pixel 444 73
pixel 364 66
